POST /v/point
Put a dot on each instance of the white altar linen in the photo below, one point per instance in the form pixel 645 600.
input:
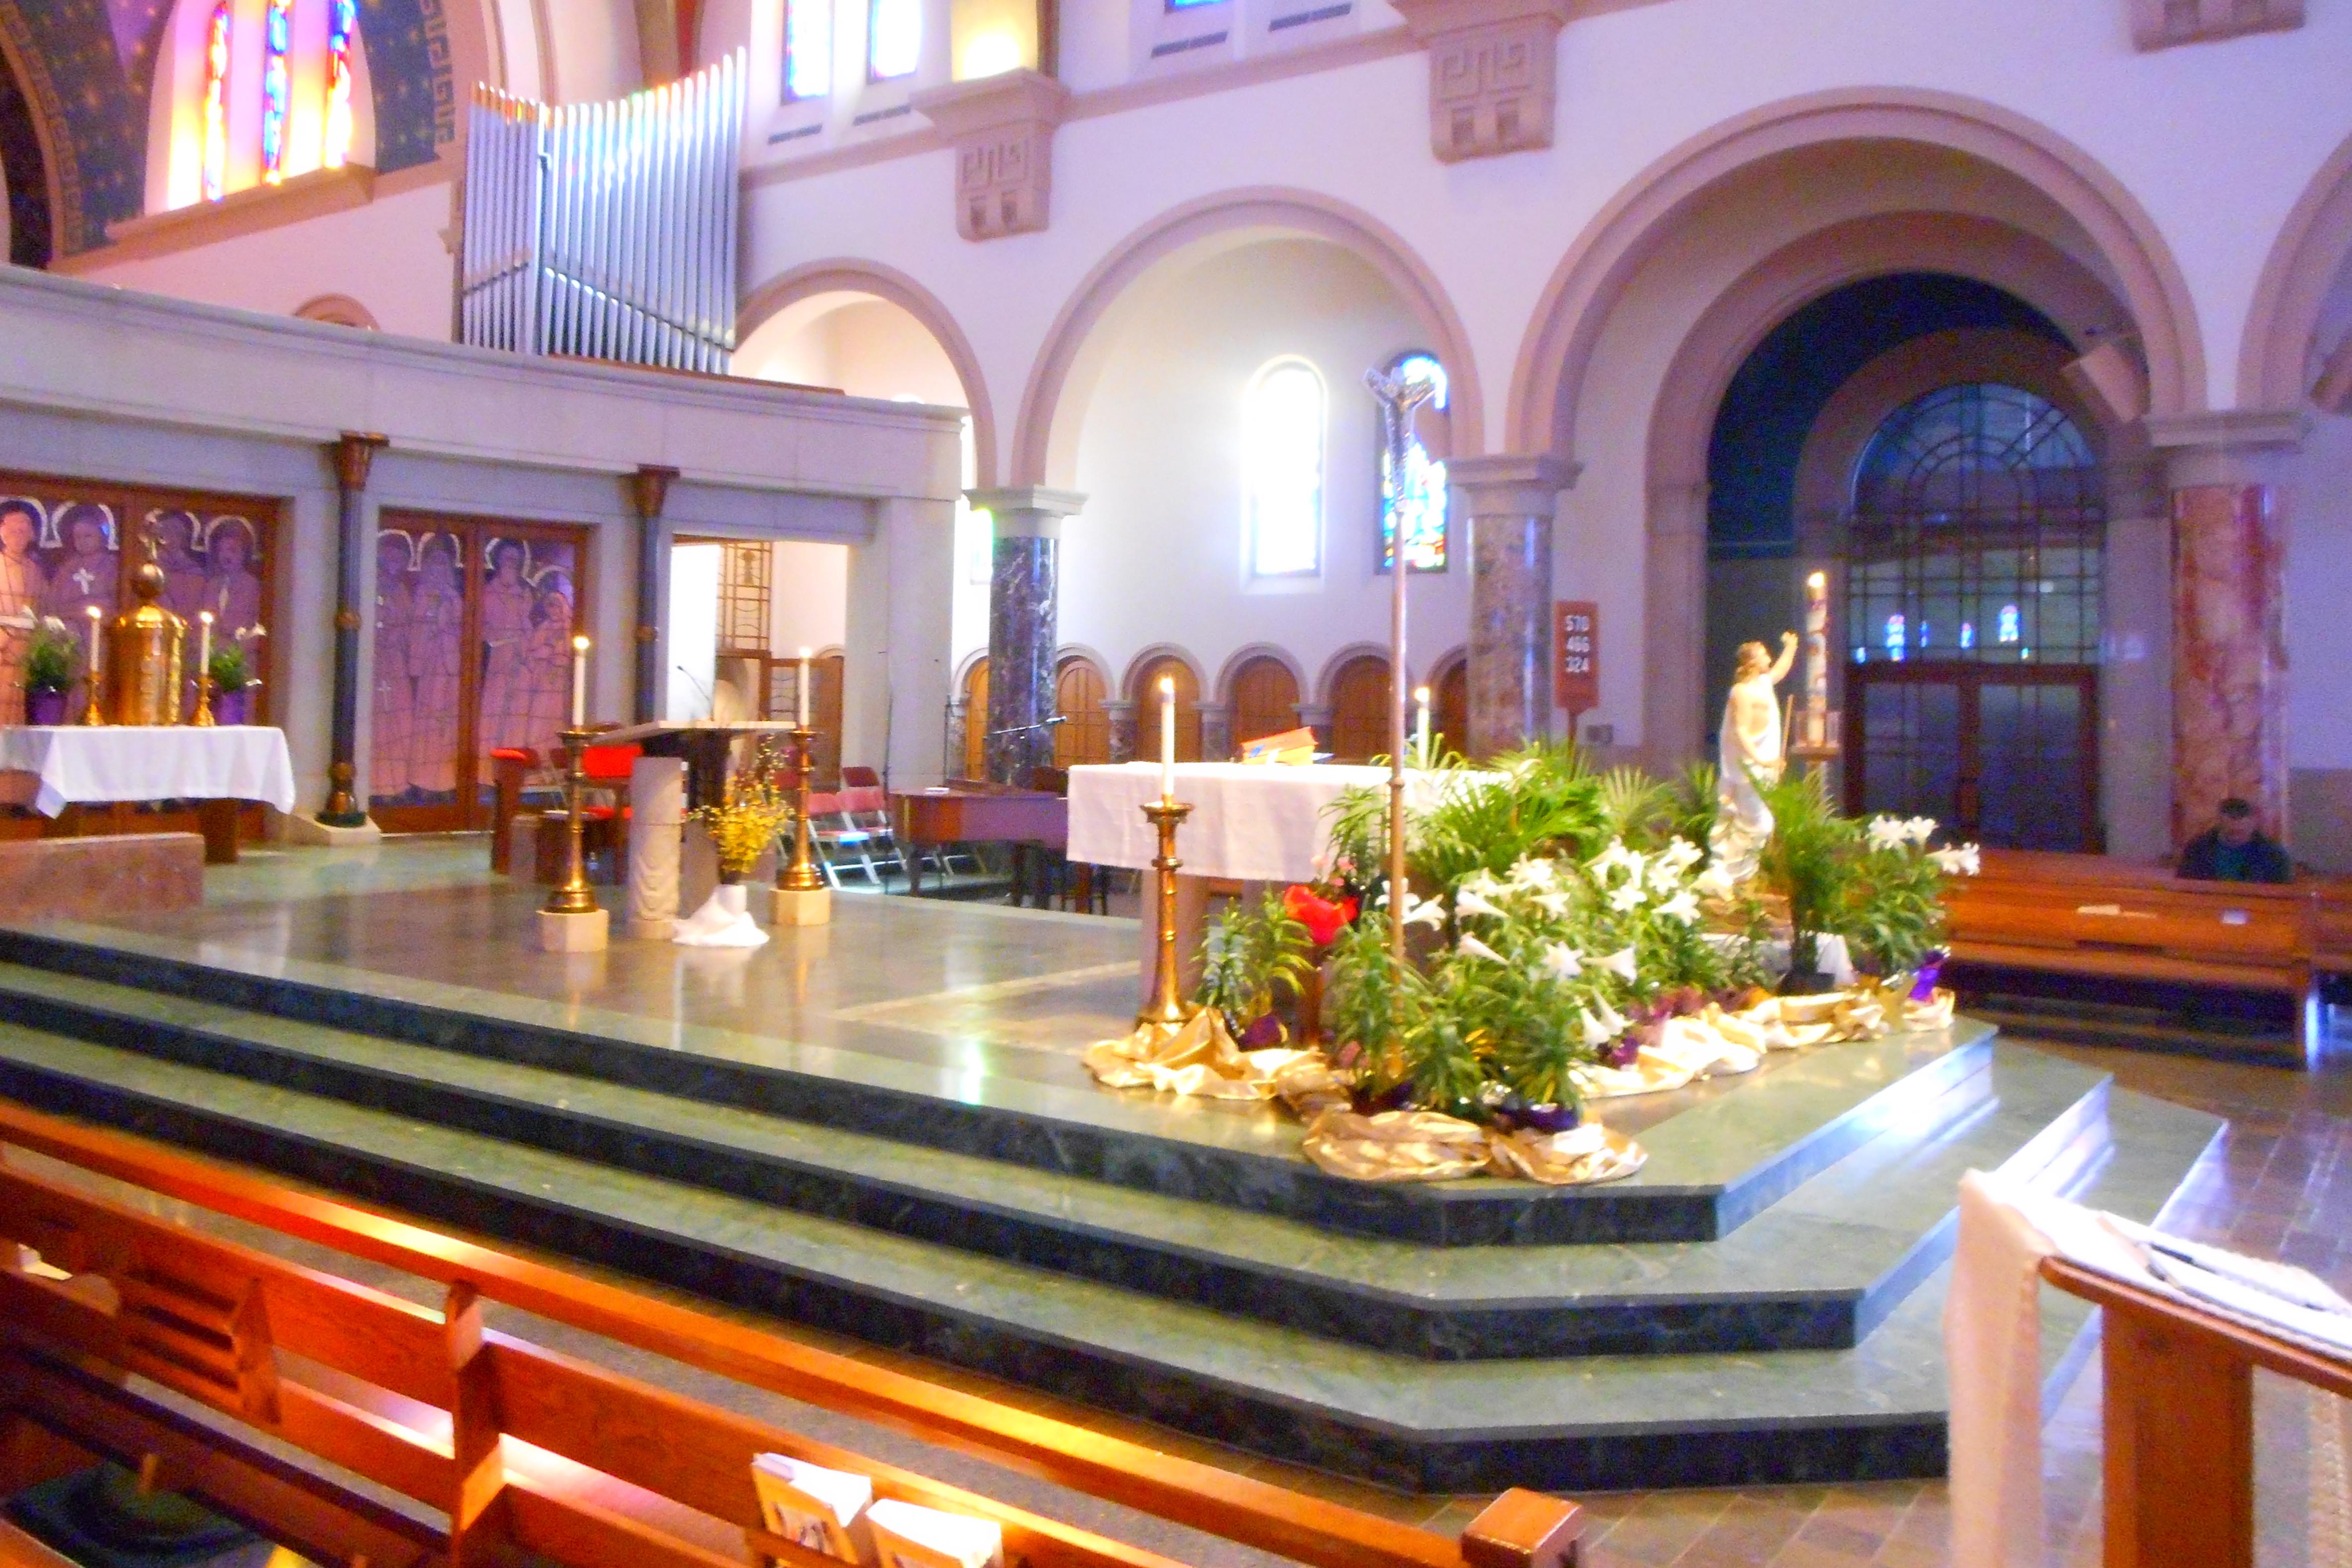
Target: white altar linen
pixel 1251 822
pixel 79 764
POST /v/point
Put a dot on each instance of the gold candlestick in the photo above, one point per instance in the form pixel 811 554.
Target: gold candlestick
pixel 1165 1006
pixel 801 875
pixel 573 895
pixel 203 719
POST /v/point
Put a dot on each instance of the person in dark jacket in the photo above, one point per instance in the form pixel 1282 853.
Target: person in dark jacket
pixel 2234 850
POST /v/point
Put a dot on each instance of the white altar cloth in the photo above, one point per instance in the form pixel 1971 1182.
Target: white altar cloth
pixel 84 764
pixel 1251 822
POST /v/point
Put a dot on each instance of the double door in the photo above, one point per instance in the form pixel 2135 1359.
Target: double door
pixel 2002 754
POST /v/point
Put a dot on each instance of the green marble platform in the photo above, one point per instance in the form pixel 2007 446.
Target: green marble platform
pixel 387 1029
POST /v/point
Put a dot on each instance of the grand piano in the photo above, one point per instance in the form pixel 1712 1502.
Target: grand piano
pixel 967 811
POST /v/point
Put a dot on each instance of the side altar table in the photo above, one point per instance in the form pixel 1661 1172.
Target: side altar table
pixel 217 766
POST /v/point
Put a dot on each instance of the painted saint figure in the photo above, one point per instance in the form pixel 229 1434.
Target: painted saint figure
pixel 506 636
pixel 548 666
pixel 175 534
pixel 1750 754
pixel 393 719
pixel 22 584
pixel 436 651
pixel 232 589
pixel 90 573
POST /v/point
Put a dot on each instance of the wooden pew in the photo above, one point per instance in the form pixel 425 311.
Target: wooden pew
pixel 2093 915
pixel 522 1448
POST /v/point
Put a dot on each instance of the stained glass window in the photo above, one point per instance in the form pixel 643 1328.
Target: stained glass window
pixel 808 49
pixel 894 38
pixel 277 87
pixel 1282 469
pixel 1422 506
pixel 343 23
pixel 215 164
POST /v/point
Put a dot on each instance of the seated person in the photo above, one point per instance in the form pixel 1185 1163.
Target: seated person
pixel 2234 850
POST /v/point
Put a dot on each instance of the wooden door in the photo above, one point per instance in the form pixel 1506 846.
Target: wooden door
pixel 1450 708
pixel 1188 710
pixel 1079 690
pixel 1265 699
pixel 2003 754
pixel 1359 709
pixel 976 720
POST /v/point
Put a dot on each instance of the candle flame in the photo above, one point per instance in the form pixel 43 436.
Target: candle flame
pixel 804 653
pixel 1167 682
pixel 91 611
pixel 1421 695
pixel 580 645
pixel 1818 580
pixel 205 617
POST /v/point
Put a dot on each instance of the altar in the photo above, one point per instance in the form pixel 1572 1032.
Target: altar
pixel 52 767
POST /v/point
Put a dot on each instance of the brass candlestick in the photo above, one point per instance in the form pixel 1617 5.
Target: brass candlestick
pixel 573 895
pixel 203 719
pixel 801 875
pixel 1165 1008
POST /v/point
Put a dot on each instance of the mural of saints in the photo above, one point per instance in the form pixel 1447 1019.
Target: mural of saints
pixel 546 707
pixel 23 585
pixel 436 664
pixel 232 589
pixel 89 572
pixel 176 535
pixel 393 723
pixel 506 648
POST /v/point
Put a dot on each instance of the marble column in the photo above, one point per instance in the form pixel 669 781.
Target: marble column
pixel 649 494
pixel 1121 712
pixel 1024 591
pixel 353 453
pixel 1507 503
pixel 952 744
pixel 1216 731
pixel 2226 472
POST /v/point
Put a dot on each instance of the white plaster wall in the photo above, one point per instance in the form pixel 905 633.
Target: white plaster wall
pixel 2319 591
pixel 588 49
pixel 809 605
pixel 1157 555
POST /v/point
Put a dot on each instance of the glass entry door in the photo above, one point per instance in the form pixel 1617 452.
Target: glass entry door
pixel 2004 756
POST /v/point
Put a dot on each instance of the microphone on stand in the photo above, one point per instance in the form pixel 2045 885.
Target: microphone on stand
pixel 709 698
pixel 1024 728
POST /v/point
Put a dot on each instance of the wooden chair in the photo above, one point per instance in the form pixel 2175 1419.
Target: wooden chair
pixel 510 770
pixel 518 1449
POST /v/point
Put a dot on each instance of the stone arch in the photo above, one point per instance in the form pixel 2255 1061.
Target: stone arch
pixel 1577 302
pixel 850 275
pixel 963 669
pixel 338 309
pixel 2310 254
pixel 1155 654
pixel 1037 456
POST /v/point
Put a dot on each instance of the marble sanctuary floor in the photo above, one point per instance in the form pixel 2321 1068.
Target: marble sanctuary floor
pixel 892 1108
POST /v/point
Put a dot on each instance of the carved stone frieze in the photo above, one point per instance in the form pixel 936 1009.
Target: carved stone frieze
pixel 1492 72
pixel 1002 130
pixel 2160 24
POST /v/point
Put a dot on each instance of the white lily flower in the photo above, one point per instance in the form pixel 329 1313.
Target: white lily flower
pixel 1562 962
pixel 1920 829
pixel 1421 911
pixel 1471 947
pixel 1683 906
pixel 1467 902
pixel 1682 854
pixel 1964 861
pixel 1714 882
pixel 1620 963
pixel 1602 1025
pixel 1616 855
pixel 1888 832
pixel 1531 872
pixel 1555 903
pixel 1664 878
pixel 1627 897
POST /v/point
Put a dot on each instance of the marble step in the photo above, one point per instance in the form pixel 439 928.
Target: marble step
pixel 1817 1270
pixel 1874 1411
pixel 1719 1154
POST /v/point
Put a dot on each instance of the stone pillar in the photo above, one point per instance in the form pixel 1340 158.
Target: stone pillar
pixel 897 662
pixel 1024 588
pixel 1216 731
pixel 354 455
pixel 648 493
pixel 2226 472
pixel 1121 712
pixel 1507 503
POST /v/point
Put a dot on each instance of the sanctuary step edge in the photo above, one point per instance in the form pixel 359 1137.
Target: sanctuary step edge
pixel 1812 1274
pixel 1644 1208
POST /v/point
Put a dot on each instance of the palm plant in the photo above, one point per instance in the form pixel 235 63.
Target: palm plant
pixel 1810 859
pixel 1246 953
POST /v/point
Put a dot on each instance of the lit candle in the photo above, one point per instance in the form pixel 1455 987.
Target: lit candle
pixel 580 683
pixel 203 648
pixel 802 697
pixel 1421 723
pixel 92 611
pixel 1167 739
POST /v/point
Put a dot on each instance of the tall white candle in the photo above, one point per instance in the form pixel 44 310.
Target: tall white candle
pixel 1167 739
pixel 1817 658
pixel 92 611
pixel 579 683
pixel 203 647
pixel 1421 723
pixel 800 699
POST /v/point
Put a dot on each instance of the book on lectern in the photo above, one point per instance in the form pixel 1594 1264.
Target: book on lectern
pixel 906 1535
pixel 812 1506
pixel 1292 746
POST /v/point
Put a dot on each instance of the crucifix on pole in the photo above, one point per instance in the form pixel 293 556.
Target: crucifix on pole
pixel 1398 397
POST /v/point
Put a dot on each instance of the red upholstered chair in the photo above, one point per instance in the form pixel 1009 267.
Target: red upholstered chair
pixel 860 778
pixel 604 824
pixel 867 808
pixel 510 767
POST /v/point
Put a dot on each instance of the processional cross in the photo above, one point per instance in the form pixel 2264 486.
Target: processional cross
pixel 1398 396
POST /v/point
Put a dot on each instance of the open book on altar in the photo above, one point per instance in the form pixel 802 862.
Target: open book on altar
pixel 1293 747
pixel 813 1507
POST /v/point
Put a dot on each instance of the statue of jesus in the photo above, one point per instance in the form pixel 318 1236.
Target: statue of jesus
pixel 1750 754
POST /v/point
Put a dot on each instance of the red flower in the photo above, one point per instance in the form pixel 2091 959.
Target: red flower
pixel 1322 917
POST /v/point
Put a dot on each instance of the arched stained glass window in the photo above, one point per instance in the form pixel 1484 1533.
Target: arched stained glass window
pixel 894 38
pixel 808 49
pixel 342 22
pixel 1282 469
pixel 277 87
pixel 217 37
pixel 1420 507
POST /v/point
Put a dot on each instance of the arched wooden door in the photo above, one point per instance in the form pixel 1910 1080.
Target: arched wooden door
pixel 1359 709
pixel 1079 690
pixel 1449 709
pixel 975 718
pixel 1146 693
pixel 1265 699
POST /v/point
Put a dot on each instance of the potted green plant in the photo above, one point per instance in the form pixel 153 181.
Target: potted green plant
pixel 50 666
pixel 1810 860
pixel 233 682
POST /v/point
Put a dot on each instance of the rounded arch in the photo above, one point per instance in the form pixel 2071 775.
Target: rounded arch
pixel 1270 210
pixel 1242 657
pixel 1546 381
pixel 2311 249
pixel 1333 667
pixel 969 662
pixel 338 309
pixel 1087 652
pixel 34 89
pixel 1158 653
pixel 849 275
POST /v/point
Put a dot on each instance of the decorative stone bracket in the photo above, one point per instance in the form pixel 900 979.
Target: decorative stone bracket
pixel 2160 24
pixel 1493 66
pixel 1002 130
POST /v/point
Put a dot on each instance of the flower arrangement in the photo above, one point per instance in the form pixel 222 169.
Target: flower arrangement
pixel 757 807
pixel 52 657
pixel 229 667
